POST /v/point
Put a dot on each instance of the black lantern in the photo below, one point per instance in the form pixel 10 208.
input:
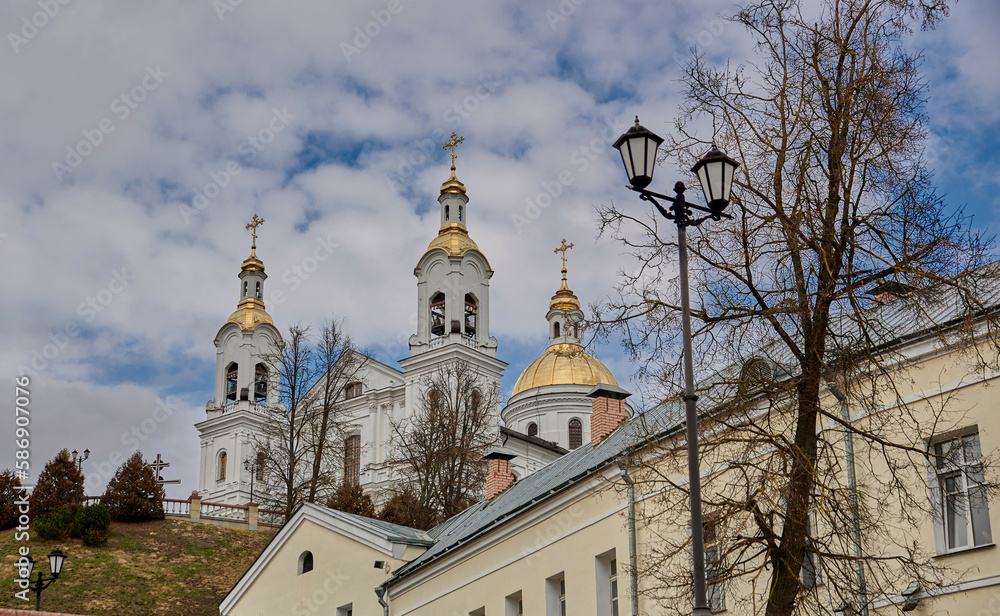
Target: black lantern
pixel 638 149
pixel 56 558
pixel 715 171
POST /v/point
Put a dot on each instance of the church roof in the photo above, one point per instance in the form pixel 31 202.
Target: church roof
pixel 454 239
pixel 564 363
pixel 249 314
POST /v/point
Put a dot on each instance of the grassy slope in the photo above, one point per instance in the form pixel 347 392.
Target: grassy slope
pixel 163 567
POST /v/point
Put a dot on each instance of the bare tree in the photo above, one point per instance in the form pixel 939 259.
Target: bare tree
pixel 299 450
pixel 833 200
pixel 438 449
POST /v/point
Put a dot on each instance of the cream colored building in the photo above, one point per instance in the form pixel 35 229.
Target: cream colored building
pixel 557 540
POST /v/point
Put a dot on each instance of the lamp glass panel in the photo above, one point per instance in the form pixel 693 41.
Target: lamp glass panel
pixel 56 561
pixel 715 177
pixel 651 147
pixel 638 153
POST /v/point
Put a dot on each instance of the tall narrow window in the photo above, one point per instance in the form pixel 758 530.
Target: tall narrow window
pixel 434 403
pixel 245 284
pixel 562 597
pixel 352 459
pixel 437 314
pixel 555 595
pixel 614 587
pixel 258 294
pixel 260 384
pixel 231 373
pixel 810 561
pixel 555 329
pixel 471 310
pixel 965 514
pixel 222 466
pixel 305 562
pixel 460 213
pixel 447 213
pixel 575 433
pixel 714 573
pixel 532 429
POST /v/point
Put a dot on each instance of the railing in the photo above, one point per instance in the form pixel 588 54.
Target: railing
pixel 256 407
pixel 438 342
pixel 238 516
pixel 177 508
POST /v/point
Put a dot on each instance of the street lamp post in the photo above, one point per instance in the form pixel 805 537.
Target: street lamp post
pixel 252 467
pixel 638 147
pixel 79 459
pixel 27 564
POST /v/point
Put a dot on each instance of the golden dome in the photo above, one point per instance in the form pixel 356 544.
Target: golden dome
pixel 249 314
pixel 565 363
pixel 564 299
pixel 453 185
pixel 252 263
pixel 454 239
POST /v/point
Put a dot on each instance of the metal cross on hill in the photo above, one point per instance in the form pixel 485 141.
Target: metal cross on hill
pixel 159 465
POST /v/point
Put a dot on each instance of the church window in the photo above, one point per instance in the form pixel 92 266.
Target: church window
pixel 305 562
pixel 231 373
pixel 352 459
pixel 460 213
pixel 258 293
pixel 433 404
pixel 260 384
pixel 575 433
pixel 555 330
pixel 447 213
pixel 245 288
pixel 471 310
pixel 437 314
pixel 353 390
pixel 532 429
pixel 222 466
pixel 475 398
pixel 576 330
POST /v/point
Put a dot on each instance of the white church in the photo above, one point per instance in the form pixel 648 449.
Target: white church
pixel 547 414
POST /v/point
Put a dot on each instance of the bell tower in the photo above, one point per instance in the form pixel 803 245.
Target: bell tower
pixel 246 387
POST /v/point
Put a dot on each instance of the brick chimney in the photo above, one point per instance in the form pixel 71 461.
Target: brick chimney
pixel 609 411
pixel 498 475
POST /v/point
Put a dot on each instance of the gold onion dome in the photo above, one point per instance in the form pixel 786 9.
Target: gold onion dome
pixel 565 363
pixel 249 314
pixel 453 185
pixel 454 239
pixel 564 299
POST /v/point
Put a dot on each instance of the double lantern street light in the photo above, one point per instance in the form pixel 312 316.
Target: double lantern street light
pixel 25 566
pixel 715 170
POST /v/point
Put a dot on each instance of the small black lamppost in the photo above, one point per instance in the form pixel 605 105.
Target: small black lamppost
pixel 56 559
pixel 715 170
pixel 252 467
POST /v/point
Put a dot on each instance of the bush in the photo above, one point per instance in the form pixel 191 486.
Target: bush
pixel 59 484
pixel 404 509
pixel 133 494
pixel 94 518
pixel 10 491
pixel 94 537
pixel 56 524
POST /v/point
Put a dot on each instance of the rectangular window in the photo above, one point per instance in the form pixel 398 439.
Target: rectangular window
pixel 555 595
pixel 346 610
pixel 352 459
pixel 714 571
pixel 606 568
pixel 614 587
pixel 961 492
pixel 810 561
pixel 514 604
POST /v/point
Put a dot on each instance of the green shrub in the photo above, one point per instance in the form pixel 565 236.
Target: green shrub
pixel 92 518
pixel 94 537
pixel 56 524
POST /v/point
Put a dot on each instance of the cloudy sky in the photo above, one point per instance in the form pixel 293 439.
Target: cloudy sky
pixel 138 138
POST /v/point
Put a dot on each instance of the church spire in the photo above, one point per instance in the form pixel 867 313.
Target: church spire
pixel 565 315
pixel 250 310
pixel 452 185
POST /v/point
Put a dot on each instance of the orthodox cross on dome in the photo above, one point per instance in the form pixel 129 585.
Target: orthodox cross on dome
pixel 563 250
pixel 252 227
pixel 451 144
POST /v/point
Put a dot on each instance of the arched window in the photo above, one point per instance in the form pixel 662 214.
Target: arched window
pixel 353 390
pixel 756 375
pixel 352 459
pixel 532 429
pixel 575 433
pixel 305 562
pixel 475 399
pixel 222 466
pixel 259 294
pixel 231 373
pixel 555 329
pixel 260 384
pixel 245 283
pixel 460 213
pixel 447 213
pixel 471 310
pixel 437 314
pixel 434 403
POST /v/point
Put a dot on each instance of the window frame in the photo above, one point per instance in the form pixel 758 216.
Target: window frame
pixel 968 471
pixel 575 425
pixel 352 459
